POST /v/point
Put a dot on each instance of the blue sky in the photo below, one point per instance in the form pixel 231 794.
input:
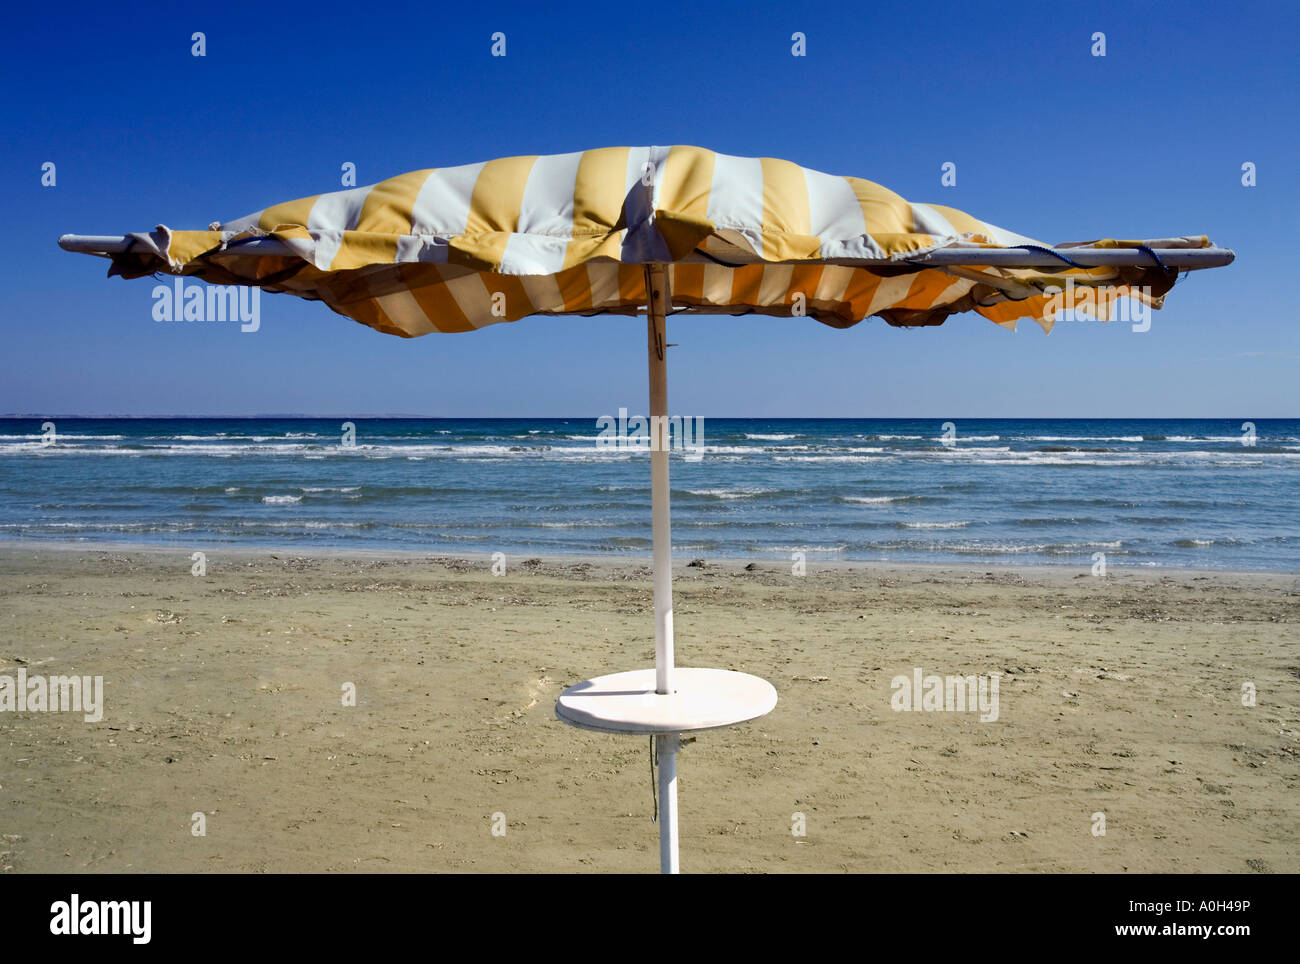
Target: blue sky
pixel 1048 140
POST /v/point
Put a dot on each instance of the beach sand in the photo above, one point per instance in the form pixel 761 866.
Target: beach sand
pixel 223 696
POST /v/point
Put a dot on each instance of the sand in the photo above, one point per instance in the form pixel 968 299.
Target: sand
pixel 1119 696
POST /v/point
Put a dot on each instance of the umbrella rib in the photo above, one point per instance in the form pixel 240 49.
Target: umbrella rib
pixel 1020 256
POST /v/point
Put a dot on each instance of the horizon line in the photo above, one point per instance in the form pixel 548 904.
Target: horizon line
pixel 949 416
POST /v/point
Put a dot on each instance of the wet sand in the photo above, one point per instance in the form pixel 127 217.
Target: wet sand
pixel 223 696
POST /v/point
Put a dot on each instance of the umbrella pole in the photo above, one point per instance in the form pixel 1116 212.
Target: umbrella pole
pixel 666 701
pixel 658 298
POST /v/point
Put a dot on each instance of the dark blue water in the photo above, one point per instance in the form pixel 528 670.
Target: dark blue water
pixel 1184 493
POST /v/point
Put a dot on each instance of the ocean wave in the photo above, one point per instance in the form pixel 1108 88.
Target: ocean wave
pixel 1053 460
pixel 281 499
pixel 725 449
pixel 1070 448
pixel 888 499
pixel 59 437
pixel 1090 438
pixel 88 506
pixel 1008 548
pixel 277 447
pixel 1204 438
pixel 143 527
pixel 730 493
pixel 834 458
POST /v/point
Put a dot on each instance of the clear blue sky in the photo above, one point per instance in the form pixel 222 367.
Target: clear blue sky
pixel 1048 140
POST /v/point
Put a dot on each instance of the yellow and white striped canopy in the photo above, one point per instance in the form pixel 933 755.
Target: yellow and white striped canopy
pixel 459 248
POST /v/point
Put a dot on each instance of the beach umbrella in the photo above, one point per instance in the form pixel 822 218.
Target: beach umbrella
pixel 653 230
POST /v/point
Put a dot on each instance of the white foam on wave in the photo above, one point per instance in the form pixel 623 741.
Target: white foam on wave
pixel 300 524
pixel 833 458
pixel 60 437
pixel 935 525
pixel 281 499
pixel 731 493
pixel 1005 548
pixel 724 449
pixel 1059 460
pixel 1085 438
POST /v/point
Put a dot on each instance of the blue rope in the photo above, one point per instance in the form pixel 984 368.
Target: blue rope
pixel 1155 257
pixel 1164 268
pixel 1055 254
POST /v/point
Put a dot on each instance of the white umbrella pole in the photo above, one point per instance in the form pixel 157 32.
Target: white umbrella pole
pixel 666 701
pixel 666 758
pixel 658 299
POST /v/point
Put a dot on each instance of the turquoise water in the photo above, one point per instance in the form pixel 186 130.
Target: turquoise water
pixel 1174 493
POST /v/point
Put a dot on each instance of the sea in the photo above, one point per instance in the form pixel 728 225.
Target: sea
pixel 1176 493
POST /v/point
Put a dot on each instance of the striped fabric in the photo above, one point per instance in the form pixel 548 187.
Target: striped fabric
pixel 459 248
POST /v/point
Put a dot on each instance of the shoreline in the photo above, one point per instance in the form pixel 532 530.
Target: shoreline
pixel 634 560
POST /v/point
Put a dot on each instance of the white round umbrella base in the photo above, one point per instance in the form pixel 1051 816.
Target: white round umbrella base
pixel 702 699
